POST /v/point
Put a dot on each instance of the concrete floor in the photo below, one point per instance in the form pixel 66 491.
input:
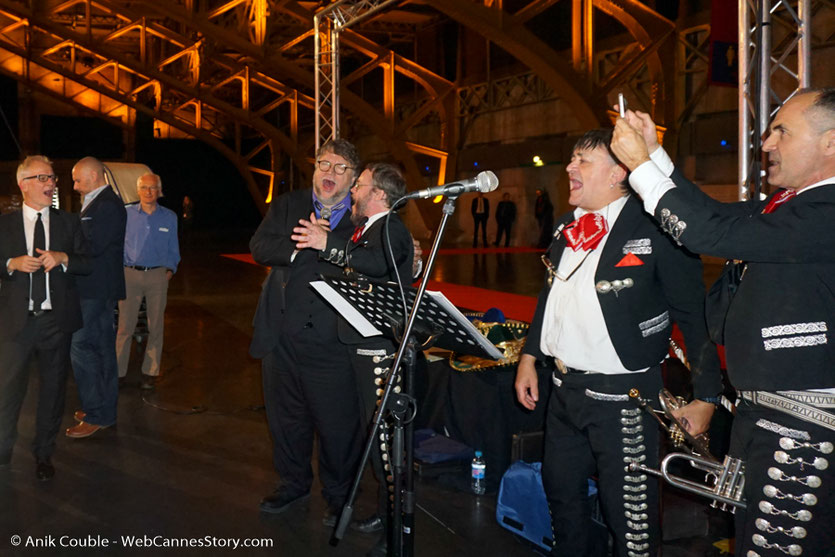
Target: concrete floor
pixel 192 458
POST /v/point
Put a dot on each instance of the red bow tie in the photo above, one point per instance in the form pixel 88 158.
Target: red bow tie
pixel 357 234
pixel 585 232
pixel 777 201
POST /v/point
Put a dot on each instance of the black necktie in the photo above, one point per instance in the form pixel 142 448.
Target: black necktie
pixel 38 277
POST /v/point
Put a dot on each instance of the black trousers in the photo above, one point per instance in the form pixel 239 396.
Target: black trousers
pixel 42 336
pixel 367 371
pixel 309 387
pixel 586 436
pixel 480 220
pixel 503 228
pixel 786 454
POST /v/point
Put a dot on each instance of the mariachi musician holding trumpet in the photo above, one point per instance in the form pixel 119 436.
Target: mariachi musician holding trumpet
pixel 777 327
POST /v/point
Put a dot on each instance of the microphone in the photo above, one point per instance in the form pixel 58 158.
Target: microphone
pixel 484 182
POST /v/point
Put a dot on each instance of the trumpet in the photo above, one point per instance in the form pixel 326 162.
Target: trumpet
pixel 724 481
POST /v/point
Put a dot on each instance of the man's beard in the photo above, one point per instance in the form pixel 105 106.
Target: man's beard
pixel 358 212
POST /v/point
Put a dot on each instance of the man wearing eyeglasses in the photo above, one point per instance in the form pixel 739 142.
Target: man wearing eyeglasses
pixel 369 255
pixel 93 351
pixel 306 383
pixel 152 253
pixel 42 248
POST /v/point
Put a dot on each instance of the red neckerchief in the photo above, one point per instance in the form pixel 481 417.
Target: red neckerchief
pixel 585 232
pixel 777 201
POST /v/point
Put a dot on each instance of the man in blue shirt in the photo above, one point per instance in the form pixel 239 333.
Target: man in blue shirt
pixel 151 257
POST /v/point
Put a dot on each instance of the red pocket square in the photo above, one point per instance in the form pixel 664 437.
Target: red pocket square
pixel 630 260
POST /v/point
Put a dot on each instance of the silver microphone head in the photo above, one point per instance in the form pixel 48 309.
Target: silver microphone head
pixel 487 181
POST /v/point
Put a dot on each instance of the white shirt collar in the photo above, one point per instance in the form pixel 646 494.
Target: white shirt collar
pixel 827 181
pixel 31 214
pixel 373 218
pixel 92 195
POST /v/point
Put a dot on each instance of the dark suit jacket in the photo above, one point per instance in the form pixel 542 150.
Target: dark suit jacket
pixel 287 301
pixel 667 288
pixel 370 258
pixel 64 235
pixel 474 208
pixel 103 224
pixel 779 323
pixel 506 212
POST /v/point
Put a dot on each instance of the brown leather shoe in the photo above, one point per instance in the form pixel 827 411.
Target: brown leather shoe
pixel 79 415
pixel 83 429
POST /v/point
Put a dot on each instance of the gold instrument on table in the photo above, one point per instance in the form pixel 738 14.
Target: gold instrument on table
pixel 724 481
pixel 508 337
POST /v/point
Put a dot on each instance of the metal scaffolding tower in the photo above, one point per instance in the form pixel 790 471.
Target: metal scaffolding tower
pixel 327 26
pixel 764 72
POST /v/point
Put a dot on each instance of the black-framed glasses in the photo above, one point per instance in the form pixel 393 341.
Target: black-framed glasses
pixel 43 178
pixel 338 168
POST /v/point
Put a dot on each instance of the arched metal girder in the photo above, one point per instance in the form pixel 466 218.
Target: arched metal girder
pixel 587 101
pixel 275 64
pixel 194 104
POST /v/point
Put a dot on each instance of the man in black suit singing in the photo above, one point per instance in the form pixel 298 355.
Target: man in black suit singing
pixel 307 384
pixel 93 350
pixel 367 255
pixel 42 248
pixel 615 285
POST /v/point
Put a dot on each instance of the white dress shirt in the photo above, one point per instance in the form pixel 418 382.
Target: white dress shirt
pixel 573 327
pixel 30 217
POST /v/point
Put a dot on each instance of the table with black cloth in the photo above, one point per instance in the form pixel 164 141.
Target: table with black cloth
pixel 478 408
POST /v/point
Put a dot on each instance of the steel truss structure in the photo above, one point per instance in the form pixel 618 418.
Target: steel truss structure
pixel 764 65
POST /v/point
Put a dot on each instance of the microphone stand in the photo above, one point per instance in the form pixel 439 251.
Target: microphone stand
pixel 401 527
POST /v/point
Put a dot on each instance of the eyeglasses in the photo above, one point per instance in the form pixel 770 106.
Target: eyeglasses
pixel 357 185
pixel 338 168
pixel 148 188
pixel 43 178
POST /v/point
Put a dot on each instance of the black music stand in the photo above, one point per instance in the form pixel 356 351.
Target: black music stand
pixel 374 308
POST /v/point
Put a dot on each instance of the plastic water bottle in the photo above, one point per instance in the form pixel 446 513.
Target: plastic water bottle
pixel 478 469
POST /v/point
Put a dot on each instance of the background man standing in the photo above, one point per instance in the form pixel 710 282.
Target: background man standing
pixel 93 351
pixel 307 383
pixel 152 253
pixel 41 249
pixel 505 215
pixel 481 212
pixel 777 325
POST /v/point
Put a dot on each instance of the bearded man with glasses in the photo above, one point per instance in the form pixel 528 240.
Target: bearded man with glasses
pixel 307 378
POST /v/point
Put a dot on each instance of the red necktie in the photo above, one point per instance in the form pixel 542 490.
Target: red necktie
pixel 585 232
pixel 357 234
pixel 777 201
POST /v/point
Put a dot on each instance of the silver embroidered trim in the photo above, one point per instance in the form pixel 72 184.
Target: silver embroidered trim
pixel 794 329
pixel 635 498
pixel 632 430
pixel 763 525
pixel 808 499
pixel 606 397
pixel 792 549
pixel 640 246
pixel 368 352
pixel 778 475
pixel 790 444
pixel 651 323
pixel 784 431
pixel 634 450
pixel 819 463
pixel 820 400
pixel 636 537
pixel 801 516
pixel 631 421
pixel 637 525
pixel 630 411
pixel 633 440
pixel 794 342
